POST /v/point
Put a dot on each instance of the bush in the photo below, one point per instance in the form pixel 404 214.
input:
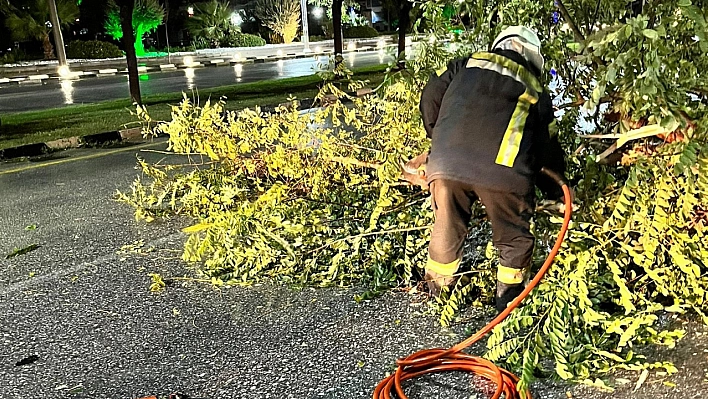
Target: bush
pixel 244 40
pixel 18 55
pixel 328 29
pixel 171 49
pixel 93 49
pixel 201 43
pixel 360 32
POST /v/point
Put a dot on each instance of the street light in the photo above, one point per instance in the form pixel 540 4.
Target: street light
pixel 317 12
pixel 305 33
pixel 64 71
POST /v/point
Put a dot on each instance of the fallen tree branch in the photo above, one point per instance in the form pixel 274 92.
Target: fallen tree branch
pixel 601 158
pixel 374 233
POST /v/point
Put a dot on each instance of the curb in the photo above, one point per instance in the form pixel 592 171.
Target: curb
pixel 198 62
pixel 120 136
pixel 96 139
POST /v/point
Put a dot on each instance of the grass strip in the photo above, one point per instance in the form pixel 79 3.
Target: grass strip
pixel 80 120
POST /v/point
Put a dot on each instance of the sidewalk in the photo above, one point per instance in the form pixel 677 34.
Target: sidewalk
pixel 79 69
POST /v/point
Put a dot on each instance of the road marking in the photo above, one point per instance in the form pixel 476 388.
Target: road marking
pixel 55 275
pixel 81 158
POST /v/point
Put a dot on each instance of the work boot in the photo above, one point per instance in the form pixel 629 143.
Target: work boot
pixel 436 282
pixel 506 293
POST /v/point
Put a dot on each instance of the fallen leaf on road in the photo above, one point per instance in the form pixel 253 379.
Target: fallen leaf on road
pixel 77 389
pixel 31 227
pixel 642 378
pixel 22 251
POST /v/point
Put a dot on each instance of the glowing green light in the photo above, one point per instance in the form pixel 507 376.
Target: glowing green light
pixel 144 77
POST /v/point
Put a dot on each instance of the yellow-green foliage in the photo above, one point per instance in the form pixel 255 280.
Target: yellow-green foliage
pixel 277 195
pixel 630 257
pixel 282 196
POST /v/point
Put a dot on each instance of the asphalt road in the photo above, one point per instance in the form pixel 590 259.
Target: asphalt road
pixel 83 307
pixel 54 93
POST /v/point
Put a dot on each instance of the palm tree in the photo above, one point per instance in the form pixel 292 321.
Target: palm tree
pixel 147 16
pixel 31 21
pixel 211 21
pixel 281 16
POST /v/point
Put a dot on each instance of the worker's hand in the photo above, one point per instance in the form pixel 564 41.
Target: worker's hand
pixel 553 206
pixel 413 171
pixel 561 206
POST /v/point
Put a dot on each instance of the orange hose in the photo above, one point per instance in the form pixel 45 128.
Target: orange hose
pixel 453 359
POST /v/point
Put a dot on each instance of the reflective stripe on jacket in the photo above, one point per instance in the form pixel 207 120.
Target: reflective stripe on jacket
pixel 488 118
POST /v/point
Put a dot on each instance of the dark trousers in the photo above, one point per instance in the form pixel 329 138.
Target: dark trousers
pixel 510 215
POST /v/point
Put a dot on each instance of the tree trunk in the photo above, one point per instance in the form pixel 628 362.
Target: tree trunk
pixel 404 21
pixel 47 48
pixel 126 23
pixel 337 27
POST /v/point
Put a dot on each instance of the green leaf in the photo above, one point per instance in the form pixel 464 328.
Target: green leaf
pixel 574 46
pixel 684 3
pixel 650 34
pixel 642 378
pixel 22 251
pixel 611 74
pixel 197 227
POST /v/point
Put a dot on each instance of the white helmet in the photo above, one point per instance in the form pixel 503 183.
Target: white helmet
pixel 522 40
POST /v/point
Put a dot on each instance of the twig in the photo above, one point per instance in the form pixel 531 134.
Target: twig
pixel 356 162
pixel 579 150
pixel 607 152
pixel 171 152
pixel 597 13
pixel 399 184
pixel 579 37
pixel 358 147
pixel 325 202
pixel 368 234
pixel 196 280
pixel 578 103
pixel 407 202
pixel 600 136
pixel 181 165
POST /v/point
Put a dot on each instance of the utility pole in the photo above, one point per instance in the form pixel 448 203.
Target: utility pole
pixel 167 35
pixel 56 29
pixel 305 32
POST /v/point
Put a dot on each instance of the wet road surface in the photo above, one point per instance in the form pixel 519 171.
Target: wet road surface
pixel 54 93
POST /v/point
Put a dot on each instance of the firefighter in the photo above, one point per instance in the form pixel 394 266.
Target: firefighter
pixel 488 118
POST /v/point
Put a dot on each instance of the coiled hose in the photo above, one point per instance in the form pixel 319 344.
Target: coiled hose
pixel 453 359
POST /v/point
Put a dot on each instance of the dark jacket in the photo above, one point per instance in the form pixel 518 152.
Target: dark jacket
pixel 488 117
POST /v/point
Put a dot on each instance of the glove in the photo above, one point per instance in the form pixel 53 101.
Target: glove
pixel 413 171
